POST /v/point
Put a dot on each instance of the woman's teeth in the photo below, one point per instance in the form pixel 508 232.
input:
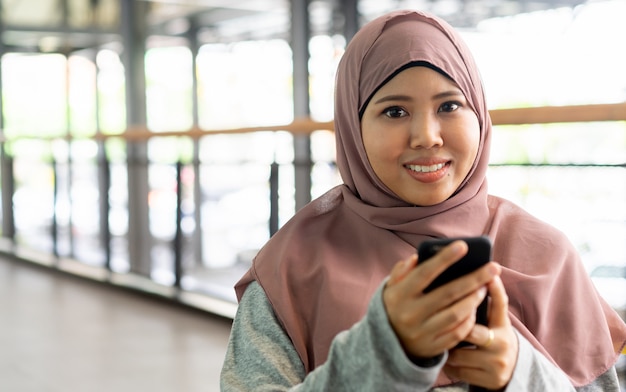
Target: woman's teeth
pixel 425 169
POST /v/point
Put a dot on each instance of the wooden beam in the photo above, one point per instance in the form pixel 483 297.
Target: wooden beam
pixel 559 114
pixel 517 116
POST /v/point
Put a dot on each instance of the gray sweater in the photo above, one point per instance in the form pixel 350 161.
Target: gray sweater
pixel 367 357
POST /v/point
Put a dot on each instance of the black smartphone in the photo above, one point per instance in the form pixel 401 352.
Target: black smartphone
pixel 478 254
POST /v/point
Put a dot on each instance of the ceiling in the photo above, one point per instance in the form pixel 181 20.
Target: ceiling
pixel 70 25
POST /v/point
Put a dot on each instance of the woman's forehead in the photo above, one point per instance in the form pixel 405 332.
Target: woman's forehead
pixel 404 41
pixel 418 80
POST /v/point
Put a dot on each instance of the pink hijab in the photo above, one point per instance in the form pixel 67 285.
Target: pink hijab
pixel 321 269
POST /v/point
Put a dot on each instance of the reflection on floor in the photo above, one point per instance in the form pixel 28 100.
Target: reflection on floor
pixel 61 333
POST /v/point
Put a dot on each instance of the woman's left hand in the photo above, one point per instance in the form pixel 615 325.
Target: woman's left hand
pixel 491 363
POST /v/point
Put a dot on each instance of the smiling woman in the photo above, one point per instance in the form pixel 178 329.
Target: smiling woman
pixel 336 298
pixel 421 135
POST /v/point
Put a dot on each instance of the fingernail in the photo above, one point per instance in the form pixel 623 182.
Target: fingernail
pixel 483 292
pixel 406 264
pixel 457 246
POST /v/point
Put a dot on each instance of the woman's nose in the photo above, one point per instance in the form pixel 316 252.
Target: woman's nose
pixel 425 132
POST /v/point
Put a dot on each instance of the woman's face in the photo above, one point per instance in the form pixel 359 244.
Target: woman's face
pixel 420 135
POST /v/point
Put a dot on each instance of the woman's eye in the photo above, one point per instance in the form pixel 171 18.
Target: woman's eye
pixel 449 107
pixel 395 112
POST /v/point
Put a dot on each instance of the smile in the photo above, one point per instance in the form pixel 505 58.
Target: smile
pixel 426 169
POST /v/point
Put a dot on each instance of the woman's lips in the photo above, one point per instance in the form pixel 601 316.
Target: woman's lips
pixel 428 173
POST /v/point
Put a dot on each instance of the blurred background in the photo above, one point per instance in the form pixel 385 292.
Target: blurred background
pixel 158 144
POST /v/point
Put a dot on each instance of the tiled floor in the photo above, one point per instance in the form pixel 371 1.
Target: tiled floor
pixel 60 333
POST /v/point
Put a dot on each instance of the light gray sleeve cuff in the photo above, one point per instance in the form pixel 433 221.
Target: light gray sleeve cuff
pixel 534 372
pixel 367 357
pixel 389 352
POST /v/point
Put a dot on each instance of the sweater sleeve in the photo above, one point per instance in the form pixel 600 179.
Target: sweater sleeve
pixel 367 357
pixel 533 372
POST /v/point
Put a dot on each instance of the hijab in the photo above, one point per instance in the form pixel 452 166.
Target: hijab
pixel 321 269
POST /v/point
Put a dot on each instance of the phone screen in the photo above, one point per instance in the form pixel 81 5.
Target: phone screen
pixel 478 254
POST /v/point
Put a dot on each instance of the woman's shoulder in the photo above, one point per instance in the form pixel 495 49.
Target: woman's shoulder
pixel 512 224
pixel 517 216
pixel 315 213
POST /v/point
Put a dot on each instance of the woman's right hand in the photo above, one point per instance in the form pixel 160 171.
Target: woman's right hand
pixel 427 324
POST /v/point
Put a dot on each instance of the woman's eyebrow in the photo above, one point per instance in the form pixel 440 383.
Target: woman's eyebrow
pixel 394 97
pixel 401 97
pixel 449 93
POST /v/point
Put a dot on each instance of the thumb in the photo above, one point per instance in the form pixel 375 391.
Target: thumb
pixel 402 268
pixel 499 308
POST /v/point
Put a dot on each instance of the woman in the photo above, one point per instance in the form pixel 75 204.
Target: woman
pixel 326 305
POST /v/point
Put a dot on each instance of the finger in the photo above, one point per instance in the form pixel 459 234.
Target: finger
pixel 470 374
pixel 464 286
pixel 418 277
pixel 499 316
pixel 402 268
pixel 456 322
pixel 434 337
pixel 481 336
pixel 492 370
pixel 451 309
pixel 471 366
pixel 428 271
